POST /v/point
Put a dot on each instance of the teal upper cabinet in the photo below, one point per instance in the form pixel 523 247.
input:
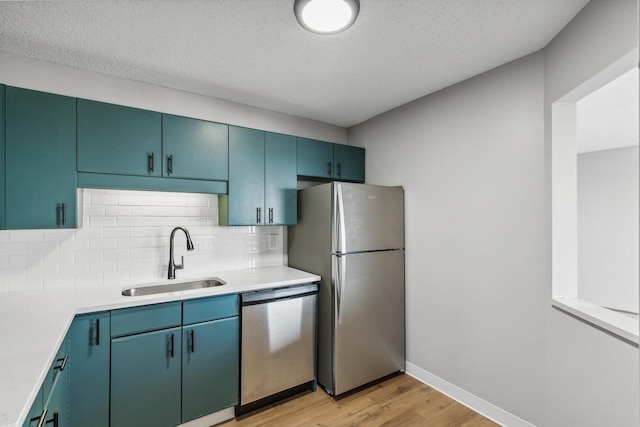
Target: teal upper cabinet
pixel 326 161
pixel 280 190
pixel 262 179
pixel 40 160
pixel 244 204
pixel 194 149
pixel 113 139
pixel 348 163
pixel 315 158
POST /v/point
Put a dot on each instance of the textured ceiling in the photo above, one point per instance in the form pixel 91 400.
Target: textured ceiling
pixel 254 52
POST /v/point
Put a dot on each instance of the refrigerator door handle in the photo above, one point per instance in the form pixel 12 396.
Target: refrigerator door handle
pixel 341 235
pixel 341 274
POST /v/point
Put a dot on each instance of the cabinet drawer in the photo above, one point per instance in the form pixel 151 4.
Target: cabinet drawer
pixel 211 308
pixel 57 366
pixel 134 320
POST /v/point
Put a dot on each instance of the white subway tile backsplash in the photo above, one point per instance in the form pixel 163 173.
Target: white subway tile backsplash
pixel 45 246
pixel 132 221
pixel 101 221
pixel 102 266
pixel 103 199
pixel 117 254
pixel 125 239
pixel 143 210
pixel 115 233
pixel 12 248
pixel 153 221
pixel 89 256
pixel 89 233
pixel 26 235
pixel 103 244
pixel 25 284
pixel 118 211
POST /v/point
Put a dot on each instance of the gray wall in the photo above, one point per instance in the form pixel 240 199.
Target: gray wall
pixel 608 228
pixel 475 163
pixel 592 377
pixel 471 159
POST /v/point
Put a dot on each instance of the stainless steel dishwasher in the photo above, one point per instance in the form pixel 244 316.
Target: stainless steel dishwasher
pixel 278 345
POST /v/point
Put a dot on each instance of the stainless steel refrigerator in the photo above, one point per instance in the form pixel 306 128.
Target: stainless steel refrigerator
pixel 352 235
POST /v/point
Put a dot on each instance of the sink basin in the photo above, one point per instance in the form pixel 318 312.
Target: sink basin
pixel 173 287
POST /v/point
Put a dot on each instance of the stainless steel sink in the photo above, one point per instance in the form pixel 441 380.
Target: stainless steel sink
pixel 173 287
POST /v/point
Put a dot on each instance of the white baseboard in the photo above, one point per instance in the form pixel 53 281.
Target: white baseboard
pixel 469 400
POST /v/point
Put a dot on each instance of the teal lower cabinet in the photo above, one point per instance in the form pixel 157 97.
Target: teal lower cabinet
pixel 156 365
pixel 36 413
pixel 209 367
pixel 51 405
pixel 184 369
pixel 145 379
pixel 90 342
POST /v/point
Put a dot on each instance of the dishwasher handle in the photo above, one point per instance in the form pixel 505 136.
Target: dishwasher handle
pixel 269 295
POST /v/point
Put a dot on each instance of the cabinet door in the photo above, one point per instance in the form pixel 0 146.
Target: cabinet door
pixel 145 379
pixel 118 140
pixel 40 180
pixel 89 370
pixel 194 149
pixel 209 367
pixel 348 163
pixel 280 179
pixel 315 158
pixel 56 389
pixel 246 176
pixel 33 417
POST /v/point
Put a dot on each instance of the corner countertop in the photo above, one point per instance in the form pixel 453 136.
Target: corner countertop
pixel 34 323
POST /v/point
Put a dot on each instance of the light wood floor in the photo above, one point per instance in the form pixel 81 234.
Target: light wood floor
pixel 398 401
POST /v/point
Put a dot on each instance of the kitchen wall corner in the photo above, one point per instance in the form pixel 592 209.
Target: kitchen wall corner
pixel 124 238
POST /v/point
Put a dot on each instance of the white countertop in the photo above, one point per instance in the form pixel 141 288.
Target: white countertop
pixel 34 323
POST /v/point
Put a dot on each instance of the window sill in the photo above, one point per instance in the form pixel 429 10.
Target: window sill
pixel 617 324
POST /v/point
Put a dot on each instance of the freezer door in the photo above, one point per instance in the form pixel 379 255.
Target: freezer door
pixel 367 218
pixel 369 317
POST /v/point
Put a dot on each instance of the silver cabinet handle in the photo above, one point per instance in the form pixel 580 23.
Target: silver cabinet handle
pixel 63 364
pixel 150 162
pixel 192 341
pixel 259 215
pixel 40 418
pixel 170 164
pixel 97 331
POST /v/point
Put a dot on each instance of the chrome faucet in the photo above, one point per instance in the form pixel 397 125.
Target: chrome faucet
pixel 171 274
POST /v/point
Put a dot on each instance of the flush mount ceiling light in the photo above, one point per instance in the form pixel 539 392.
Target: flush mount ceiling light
pixel 326 16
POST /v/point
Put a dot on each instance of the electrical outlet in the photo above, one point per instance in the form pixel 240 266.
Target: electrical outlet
pixel 273 241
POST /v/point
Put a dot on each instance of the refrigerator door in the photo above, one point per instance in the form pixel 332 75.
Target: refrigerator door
pixel 367 218
pixel 369 317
